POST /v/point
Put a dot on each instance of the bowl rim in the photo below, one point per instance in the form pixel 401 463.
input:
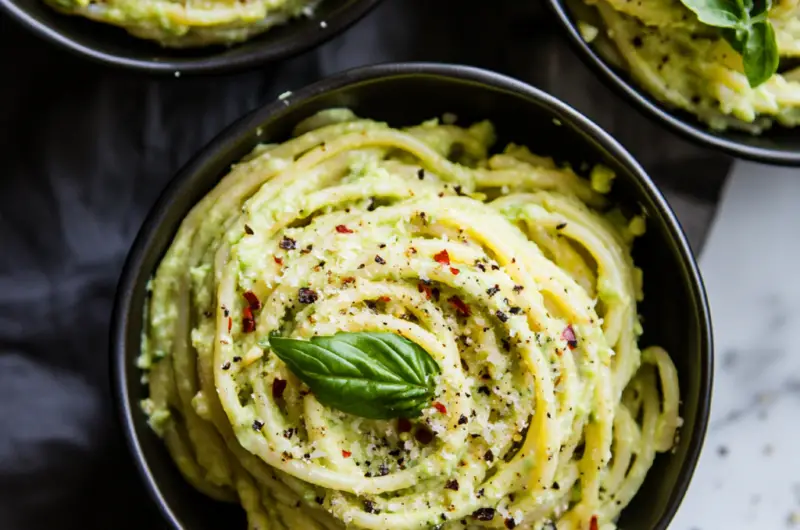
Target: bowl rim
pixel 244 127
pixel 310 38
pixel 657 112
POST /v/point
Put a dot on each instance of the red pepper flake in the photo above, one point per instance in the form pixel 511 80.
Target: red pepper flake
pixel 342 229
pixel 385 299
pixel 593 524
pixel 252 300
pixel 459 304
pixel 442 257
pixel 423 288
pixel 569 335
pixel 278 386
pixel 403 425
pixel 346 454
pixel 248 322
pixel 278 260
pixel 440 407
pixel 348 280
pixel 454 271
pixel 230 324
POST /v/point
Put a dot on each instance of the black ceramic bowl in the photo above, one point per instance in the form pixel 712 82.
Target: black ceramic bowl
pixel 675 308
pixel 778 146
pixel 111 45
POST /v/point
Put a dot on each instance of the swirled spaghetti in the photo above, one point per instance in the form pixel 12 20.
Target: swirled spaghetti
pixel 189 24
pixel 690 66
pixel 512 273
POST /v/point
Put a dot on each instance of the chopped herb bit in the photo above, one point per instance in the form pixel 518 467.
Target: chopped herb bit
pixel 435 293
pixel 489 456
pixel 517 288
pixel 561 226
pixel 236 358
pixel 257 425
pixel 452 485
pixel 307 296
pixel 278 386
pixel 423 435
pixel 491 291
pixel 383 470
pixel 483 389
pixel 515 310
pixel 421 174
pixel 287 243
pixel 380 260
pixel 226 365
pixel 248 230
pixel 501 316
pixel 369 507
pixel 462 420
pixel 510 523
pixel 483 514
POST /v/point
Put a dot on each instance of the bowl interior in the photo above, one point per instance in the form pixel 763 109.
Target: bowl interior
pixel 113 45
pixel 674 311
pixel 778 145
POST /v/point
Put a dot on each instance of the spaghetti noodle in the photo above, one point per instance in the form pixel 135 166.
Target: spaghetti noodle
pixel 689 66
pixel 502 267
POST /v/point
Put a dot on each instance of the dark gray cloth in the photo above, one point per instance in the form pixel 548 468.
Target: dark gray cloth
pixel 86 150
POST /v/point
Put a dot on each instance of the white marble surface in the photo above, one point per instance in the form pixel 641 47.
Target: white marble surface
pixel 749 473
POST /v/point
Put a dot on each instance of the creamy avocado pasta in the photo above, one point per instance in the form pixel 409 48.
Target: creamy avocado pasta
pixel 696 67
pixel 189 24
pixel 377 328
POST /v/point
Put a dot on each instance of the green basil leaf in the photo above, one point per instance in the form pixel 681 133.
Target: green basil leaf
pixel 737 38
pixel 760 55
pixel 374 375
pixel 719 13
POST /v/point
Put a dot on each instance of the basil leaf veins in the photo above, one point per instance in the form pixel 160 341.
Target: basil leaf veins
pixel 375 375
